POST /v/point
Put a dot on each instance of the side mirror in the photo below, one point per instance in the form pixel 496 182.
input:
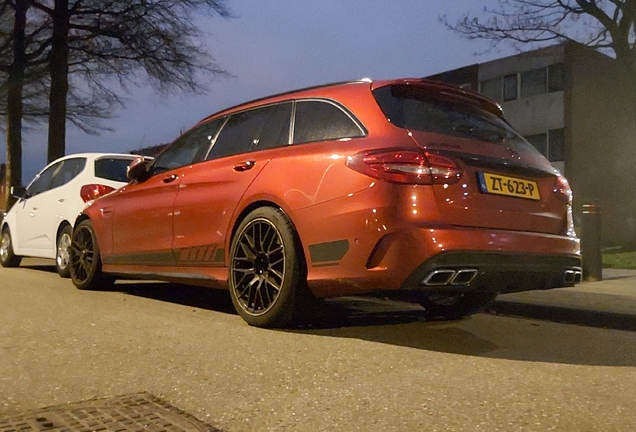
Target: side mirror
pixel 18 192
pixel 138 170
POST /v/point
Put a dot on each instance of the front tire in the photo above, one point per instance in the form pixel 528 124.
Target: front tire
pixel 63 253
pixel 7 257
pixel 85 260
pixel 267 276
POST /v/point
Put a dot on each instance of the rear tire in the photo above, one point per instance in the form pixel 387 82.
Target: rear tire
pixel 267 272
pixel 86 264
pixel 63 252
pixel 451 306
pixel 7 257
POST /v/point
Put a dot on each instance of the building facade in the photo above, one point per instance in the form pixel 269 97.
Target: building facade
pixel 572 104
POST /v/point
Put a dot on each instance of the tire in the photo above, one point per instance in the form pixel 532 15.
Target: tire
pixel 63 252
pixel 7 257
pixel 267 271
pixel 86 263
pixel 451 306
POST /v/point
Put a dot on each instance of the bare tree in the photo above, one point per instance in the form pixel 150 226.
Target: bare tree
pixel 100 41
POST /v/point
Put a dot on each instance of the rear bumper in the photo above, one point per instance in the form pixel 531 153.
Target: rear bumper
pixel 488 260
pixel 494 271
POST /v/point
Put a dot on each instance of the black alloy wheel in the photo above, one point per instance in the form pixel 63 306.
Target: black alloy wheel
pixel 7 257
pixel 63 252
pixel 85 260
pixel 266 272
pixel 452 306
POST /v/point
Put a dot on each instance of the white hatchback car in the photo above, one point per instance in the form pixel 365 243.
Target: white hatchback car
pixel 40 223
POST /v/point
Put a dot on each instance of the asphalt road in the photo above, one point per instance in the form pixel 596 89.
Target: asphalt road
pixel 373 367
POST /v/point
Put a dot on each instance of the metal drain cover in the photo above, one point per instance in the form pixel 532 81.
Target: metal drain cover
pixel 127 413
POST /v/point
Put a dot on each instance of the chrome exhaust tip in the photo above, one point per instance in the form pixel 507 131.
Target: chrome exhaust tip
pixel 438 278
pixel 573 276
pixel 464 277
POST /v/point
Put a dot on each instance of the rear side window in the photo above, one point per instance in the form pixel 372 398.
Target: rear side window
pixel 321 121
pixel 417 109
pixel 112 169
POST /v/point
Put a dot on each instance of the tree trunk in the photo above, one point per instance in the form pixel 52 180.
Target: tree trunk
pixel 14 101
pixel 58 67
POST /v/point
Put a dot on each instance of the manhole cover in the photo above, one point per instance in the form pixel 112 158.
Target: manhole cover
pixel 135 412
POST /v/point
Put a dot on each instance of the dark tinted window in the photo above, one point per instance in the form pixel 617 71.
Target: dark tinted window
pixel 112 169
pixel 418 109
pixel 540 142
pixel 556 144
pixel 43 181
pixel 510 87
pixel 241 132
pixel 556 77
pixel 69 169
pixel 321 121
pixel 534 82
pixel 188 149
pixel 275 133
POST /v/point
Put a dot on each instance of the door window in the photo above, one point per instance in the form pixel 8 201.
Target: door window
pixel 68 171
pixel 188 149
pixel 321 121
pixel 241 132
pixel 43 180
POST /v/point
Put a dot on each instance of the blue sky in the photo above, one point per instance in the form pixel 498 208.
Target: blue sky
pixel 278 45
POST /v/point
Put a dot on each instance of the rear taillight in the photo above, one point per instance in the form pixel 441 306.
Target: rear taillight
pixel 406 166
pixel 562 189
pixel 93 191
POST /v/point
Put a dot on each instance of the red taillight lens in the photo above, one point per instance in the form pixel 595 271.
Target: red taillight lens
pixel 93 191
pixel 562 189
pixel 406 166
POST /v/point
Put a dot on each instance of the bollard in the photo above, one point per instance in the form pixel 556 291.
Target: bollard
pixel 591 242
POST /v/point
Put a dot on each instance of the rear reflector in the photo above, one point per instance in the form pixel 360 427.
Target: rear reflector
pixel 405 166
pixel 93 191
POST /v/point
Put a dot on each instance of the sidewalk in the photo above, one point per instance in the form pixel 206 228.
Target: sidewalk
pixel 608 303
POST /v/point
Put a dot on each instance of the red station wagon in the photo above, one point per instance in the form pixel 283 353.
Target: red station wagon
pixel 408 188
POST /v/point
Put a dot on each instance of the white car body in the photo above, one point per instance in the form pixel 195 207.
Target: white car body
pixel 36 221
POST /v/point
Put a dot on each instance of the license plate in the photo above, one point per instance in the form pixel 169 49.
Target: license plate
pixel 509 186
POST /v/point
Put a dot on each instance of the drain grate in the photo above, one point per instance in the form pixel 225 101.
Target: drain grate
pixel 135 412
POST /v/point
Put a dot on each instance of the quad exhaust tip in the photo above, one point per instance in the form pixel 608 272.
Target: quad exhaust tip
pixel 450 277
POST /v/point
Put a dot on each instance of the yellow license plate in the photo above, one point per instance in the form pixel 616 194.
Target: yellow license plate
pixel 509 186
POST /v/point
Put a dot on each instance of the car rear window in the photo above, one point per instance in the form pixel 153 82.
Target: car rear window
pixel 112 169
pixel 417 108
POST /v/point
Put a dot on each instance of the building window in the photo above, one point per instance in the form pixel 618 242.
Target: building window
pixel 534 82
pixel 510 87
pixel 492 89
pixel 556 144
pixel 540 142
pixel 550 145
pixel 556 77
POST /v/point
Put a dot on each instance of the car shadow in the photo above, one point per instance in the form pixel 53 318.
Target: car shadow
pixel 402 324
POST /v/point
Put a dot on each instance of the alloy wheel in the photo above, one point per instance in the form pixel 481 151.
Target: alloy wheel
pixel 83 254
pixel 258 267
pixel 5 245
pixel 63 251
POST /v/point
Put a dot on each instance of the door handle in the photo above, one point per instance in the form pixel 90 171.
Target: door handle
pixel 61 200
pixel 245 165
pixel 171 178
